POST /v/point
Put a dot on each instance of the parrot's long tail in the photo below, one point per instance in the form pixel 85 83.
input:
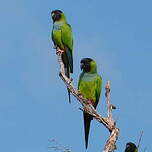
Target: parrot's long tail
pixel 87 122
pixel 67 73
pixel 69 95
pixel 67 70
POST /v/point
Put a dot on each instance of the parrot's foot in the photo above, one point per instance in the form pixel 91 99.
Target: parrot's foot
pixel 59 51
pixel 91 102
pixel 79 93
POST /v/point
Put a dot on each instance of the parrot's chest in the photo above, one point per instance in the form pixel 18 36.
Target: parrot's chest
pixel 56 31
pixel 88 88
pixel 57 36
pixel 57 27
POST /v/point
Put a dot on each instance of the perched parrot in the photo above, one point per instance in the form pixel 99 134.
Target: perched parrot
pixel 89 85
pixel 131 147
pixel 63 39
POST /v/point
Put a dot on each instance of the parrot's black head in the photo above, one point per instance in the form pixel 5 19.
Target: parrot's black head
pixel 85 64
pixel 130 147
pixel 56 15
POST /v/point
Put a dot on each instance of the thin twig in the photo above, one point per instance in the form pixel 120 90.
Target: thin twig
pixel 58 146
pixel 141 134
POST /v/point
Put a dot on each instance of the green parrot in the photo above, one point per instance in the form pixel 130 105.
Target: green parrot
pixel 131 147
pixel 63 39
pixel 89 85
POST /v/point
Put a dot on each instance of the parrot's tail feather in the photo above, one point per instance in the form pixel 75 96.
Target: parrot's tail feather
pixel 69 95
pixel 70 60
pixel 87 122
pixel 67 73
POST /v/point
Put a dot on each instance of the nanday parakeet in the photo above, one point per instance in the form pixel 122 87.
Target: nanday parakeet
pixel 89 85
pixel 63 39
pixel 131 147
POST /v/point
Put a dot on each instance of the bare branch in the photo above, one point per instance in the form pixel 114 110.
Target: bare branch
pixel 109 106
pixel 111 142
pixel 108 122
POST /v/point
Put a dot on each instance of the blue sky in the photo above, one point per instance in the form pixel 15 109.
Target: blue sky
pixel 33 100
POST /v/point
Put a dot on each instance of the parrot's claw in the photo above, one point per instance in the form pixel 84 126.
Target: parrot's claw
pixel 79 93
pixel 90 102
pixel 59 51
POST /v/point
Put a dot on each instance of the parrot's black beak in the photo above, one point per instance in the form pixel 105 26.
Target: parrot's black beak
pixel 81 66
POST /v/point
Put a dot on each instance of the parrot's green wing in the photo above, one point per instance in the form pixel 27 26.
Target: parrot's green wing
pixel 67 40
pixel 98 89
pixel 67 37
